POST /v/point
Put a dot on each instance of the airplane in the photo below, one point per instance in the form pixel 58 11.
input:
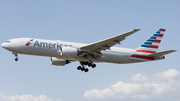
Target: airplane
pixel 63 53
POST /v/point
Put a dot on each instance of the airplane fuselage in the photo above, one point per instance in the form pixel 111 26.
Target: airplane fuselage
pixel 51 48
pixel 62 52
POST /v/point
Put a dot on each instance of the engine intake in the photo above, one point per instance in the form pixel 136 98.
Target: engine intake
pixel 58 62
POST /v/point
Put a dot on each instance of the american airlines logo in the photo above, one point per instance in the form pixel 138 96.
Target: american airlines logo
pixel 29 42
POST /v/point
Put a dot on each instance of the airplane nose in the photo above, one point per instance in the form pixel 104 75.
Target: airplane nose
pixel 3 45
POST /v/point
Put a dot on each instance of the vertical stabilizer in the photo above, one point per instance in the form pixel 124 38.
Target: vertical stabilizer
pixel 152 44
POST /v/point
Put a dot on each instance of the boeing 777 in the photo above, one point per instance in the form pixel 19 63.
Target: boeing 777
pixel 63 53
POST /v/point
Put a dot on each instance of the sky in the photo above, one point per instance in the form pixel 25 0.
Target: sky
pixel 33 78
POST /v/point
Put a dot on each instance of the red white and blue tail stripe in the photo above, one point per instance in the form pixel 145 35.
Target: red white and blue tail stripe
pixel 152 44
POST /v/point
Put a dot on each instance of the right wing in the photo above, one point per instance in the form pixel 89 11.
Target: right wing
pixel 107 43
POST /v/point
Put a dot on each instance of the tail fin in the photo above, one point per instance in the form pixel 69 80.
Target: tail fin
pixel 152 44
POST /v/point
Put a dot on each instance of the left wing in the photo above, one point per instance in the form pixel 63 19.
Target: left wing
pixel 107 43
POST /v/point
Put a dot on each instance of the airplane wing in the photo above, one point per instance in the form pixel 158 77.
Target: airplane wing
pixel 161 53
pixel 107 43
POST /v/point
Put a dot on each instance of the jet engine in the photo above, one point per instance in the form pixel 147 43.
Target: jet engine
pixel 68 52
pixel 58 62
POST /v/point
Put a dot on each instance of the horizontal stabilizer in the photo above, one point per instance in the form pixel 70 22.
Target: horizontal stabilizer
pixel 161 53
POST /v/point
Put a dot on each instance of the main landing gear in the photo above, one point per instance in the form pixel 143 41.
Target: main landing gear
pixel 16 55
pixel 83 64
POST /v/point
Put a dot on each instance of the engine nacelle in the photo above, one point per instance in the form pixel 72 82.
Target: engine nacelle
pixel 68 52
pixel 58 61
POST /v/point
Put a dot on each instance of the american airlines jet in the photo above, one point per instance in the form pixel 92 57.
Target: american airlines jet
pixel 63 53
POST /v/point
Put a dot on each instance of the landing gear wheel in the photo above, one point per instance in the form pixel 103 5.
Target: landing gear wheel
pixel 86 70
pixel 89 64
pixel 16 55
pixel 94 65
pixel 82 69
pixel 85 63
pixel 16 59
pixel 79 67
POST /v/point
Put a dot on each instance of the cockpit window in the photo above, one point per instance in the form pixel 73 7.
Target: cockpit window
pixel 8 41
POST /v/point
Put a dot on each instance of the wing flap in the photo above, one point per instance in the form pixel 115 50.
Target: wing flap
pixel 161 53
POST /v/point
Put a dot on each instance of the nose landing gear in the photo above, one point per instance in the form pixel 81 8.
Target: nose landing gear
pixel 16 55
pixel 16 59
